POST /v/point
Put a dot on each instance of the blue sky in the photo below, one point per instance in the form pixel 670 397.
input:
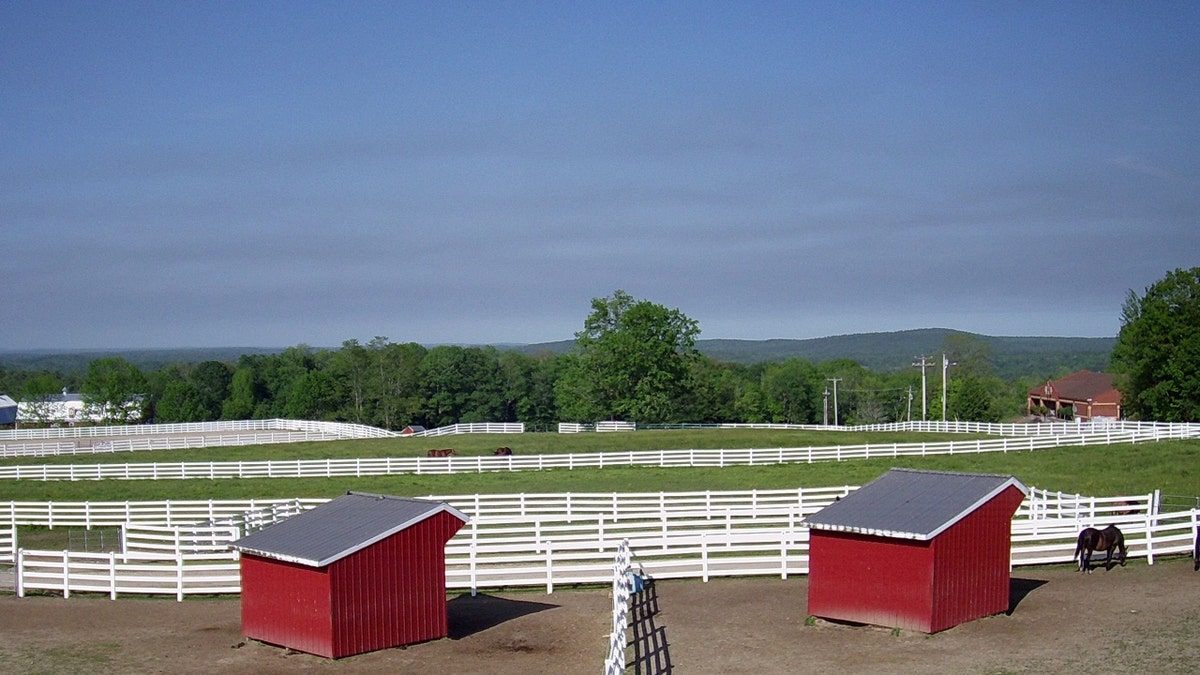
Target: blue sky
pixel 189 174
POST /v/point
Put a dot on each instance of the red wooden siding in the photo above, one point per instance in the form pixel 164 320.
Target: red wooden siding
pixel 960 575
pixel 393 592
pixel 388 594
pixel 864 579
pixel 286 604
pixel 971 563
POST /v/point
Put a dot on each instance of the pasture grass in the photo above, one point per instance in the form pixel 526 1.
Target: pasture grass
pixel 1171 466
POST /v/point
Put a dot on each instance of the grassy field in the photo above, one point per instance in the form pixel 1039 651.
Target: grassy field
pixel 1172 466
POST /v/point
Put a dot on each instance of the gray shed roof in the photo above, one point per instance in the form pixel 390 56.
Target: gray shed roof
pixel 342 526
pixel 911 504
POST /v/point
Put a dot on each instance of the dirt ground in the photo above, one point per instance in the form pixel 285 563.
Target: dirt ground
pixel 1139 618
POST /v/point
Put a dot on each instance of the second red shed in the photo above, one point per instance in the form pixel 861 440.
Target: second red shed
pixel 918 550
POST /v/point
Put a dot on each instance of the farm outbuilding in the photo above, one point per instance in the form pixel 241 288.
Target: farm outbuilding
pixel 8 410
pixel 917 550
pixel 359 573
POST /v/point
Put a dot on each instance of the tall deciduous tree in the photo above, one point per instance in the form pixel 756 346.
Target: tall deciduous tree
pixel 1157 355
pixel 632 362
pixel 38 394
pixel 114 389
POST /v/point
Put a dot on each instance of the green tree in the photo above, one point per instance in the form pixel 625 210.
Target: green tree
pixel 37 397
pixel 1157 354
pixel 970 400
pixel 632 362
pixel 792 392
pixel 211 380
pixel 243 394
pixel 181 401
pixel 114 389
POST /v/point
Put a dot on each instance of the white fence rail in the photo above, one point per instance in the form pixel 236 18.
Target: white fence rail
pixel 622 567
pixel 96 439
pixel 674 534
pixel 132 438
pixel 252 514
pixel 327 468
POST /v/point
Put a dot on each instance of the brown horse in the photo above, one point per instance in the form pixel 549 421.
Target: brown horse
pixel 1091 540
pixel 503 452
pixel 442 452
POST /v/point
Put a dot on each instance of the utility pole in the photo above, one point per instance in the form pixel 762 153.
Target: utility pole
pixel 922 364
pixel 946 363
pixel 825 416
pixel 835 381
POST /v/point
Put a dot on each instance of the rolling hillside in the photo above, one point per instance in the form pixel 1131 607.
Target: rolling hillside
pixel 1012 356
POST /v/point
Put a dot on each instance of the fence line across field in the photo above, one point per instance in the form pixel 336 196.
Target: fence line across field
pixel 547 558
pixel 357 467
pixel 1041 504
pixel 673 536
pixel 134 438
pixel 131 438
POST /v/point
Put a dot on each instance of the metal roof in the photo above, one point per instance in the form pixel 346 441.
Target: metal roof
pixel 342 526
pixel 911 503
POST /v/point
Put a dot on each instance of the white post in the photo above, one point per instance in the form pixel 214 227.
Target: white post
pixel 549 569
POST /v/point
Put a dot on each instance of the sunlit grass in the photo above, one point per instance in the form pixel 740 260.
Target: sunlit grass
pixel 1171 466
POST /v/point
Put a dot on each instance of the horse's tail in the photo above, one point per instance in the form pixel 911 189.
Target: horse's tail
pixel 1078 546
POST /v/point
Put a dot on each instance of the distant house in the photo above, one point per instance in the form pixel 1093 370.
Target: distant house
pixel 64 408
pixel 918 550
pixel 8 410
pixel 1084 395
pixel 356 574
pixel 412 430
pixel 70 409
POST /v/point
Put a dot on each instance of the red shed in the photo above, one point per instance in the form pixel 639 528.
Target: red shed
pixel 919 550
pixel 356 574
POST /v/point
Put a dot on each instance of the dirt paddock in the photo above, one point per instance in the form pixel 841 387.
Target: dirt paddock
pixel 1139 618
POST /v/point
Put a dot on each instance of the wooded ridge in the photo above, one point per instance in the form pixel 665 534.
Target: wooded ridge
pixel 892 351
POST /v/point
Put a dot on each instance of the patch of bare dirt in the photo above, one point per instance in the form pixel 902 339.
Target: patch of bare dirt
pixel 1138 618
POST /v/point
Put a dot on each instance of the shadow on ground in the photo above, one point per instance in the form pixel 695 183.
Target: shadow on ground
pixel 651 655
pixel 1018 589
pixel 468 615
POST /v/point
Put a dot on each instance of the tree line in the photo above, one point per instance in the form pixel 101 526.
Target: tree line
pixel 634 360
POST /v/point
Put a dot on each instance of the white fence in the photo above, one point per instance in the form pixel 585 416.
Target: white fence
pixel 512 541
pixel 622 567
pixel 132 438
pixel 325 468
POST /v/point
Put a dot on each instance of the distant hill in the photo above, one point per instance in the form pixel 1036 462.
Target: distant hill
pixel 1013 357
pixel 148 360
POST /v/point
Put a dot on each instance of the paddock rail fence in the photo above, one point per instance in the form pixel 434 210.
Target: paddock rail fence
pixel 506 549
pixel 377 466
pixel 133 438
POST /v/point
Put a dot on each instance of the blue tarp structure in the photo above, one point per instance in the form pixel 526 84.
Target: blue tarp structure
pixel 8 410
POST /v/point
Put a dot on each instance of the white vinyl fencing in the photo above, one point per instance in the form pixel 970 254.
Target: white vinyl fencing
pixel 673 535
pixel 327 468
pixel 132 438
pixel 622 567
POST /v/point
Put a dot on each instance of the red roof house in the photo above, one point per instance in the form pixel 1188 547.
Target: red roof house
pixel 359 573
pixel 1084 395
pixel 918 550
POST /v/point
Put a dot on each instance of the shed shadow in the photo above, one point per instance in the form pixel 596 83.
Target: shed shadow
pixel 469 615
pixel 1018 589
